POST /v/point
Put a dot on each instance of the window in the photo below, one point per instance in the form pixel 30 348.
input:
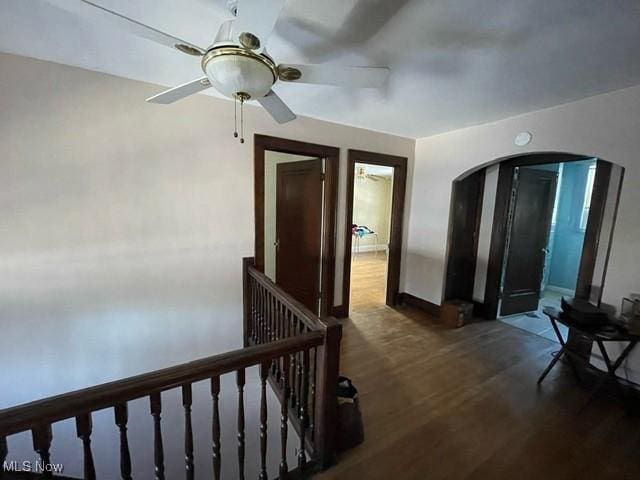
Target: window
pixel 591 175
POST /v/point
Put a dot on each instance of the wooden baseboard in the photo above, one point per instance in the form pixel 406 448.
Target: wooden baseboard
pixel 405 298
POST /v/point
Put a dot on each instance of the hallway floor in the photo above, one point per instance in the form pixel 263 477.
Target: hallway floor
pixel 368 279
pixel 456 404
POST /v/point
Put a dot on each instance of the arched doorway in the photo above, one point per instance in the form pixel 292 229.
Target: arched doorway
pixel 481 257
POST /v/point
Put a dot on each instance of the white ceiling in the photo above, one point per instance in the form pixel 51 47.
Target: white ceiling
pixel 455 63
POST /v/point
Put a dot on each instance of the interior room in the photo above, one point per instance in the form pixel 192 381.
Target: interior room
pixel 298 239
pixel 564 244
pixel 371 222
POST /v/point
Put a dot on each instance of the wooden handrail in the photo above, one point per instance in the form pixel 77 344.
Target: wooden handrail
pixel 68 405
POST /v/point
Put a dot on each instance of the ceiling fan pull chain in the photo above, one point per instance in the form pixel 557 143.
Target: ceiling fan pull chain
pixel 235 117
pixel 241 119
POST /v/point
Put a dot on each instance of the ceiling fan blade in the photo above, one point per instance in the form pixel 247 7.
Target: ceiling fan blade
pixel 181 91
pixel 92 10
pixel 273 104
pixel 332 74
pixel 257 17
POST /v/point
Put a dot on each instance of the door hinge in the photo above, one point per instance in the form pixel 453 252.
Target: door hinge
pixel 322 177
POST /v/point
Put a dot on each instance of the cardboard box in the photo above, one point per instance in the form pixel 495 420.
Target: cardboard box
pixel 456 313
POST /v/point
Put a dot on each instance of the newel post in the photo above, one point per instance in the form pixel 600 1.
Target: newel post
pixel 326 409
pixel 246 300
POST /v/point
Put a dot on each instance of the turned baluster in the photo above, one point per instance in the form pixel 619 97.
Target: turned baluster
pixel 42 437
pixel 264 373
pixel 281 319
pixel 279 308
pixel 83 430
pixel 274 318
pixel 302 459
pixel 298 372
pixel 292 324
pixel 263 306
pixel 158 450
pixel 292 380
pixel 275 364
pixel 286 319
pixel 215 429
pixel 122 416
pixel 293 366
pixel 312 393
pixel 271 317
pixel 274 331
pixel 256 312
pixel 284 424
pixel 240 381
pixel 256 308
pixel 287 323
pixel 261 320
pixel 267 328
pixel 267 331
pixel 187 401
pixel 261 315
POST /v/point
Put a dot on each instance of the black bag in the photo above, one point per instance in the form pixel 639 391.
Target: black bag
pixel 350 427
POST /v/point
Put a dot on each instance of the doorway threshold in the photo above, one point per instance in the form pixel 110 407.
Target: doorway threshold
pixel 536 323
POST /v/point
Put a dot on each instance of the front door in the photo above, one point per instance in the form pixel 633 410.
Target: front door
pixel 299 230
pixel 531 214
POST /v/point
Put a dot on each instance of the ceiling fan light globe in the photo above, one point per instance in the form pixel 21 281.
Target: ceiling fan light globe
pixel 230 74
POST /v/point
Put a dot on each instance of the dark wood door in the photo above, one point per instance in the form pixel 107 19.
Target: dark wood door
pixel 466 211
pixel 529 233
pixel 299 230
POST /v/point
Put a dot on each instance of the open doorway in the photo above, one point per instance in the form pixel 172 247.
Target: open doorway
pixel 295 208
pixel 371 222
pixel 529 229
pixel 548 216
pixel 376 185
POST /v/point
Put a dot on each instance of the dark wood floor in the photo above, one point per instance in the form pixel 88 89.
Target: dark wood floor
pixel 440 403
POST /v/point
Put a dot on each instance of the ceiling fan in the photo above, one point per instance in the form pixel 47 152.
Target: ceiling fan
pixel 362 174
pixel 237 64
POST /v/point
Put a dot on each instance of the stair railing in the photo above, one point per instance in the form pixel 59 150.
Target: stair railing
pixel 306 383
pixel 298 355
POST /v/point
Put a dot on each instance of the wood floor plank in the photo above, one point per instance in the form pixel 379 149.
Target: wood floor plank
pixel 463 404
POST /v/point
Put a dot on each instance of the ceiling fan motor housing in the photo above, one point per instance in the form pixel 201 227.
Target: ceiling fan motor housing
pixel 233 70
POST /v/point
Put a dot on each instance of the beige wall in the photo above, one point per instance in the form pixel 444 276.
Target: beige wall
pixel 124 222
pixel 372 207
pixel 605 126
